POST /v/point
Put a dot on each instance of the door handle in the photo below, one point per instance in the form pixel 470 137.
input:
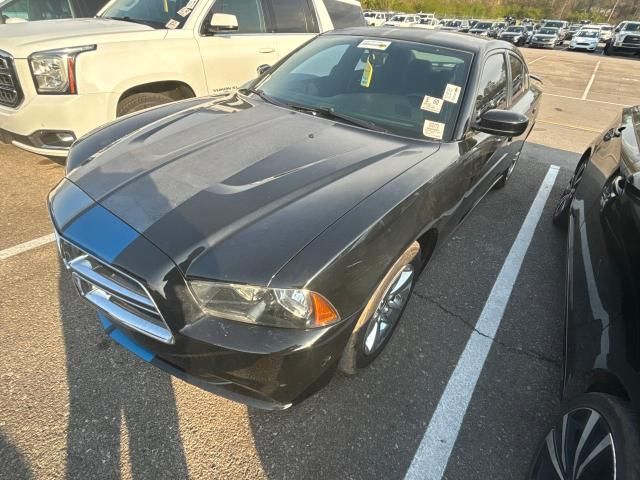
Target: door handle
pixel 267 50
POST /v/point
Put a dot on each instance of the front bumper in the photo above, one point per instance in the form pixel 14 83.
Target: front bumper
pixel 590 48
pixel 626 47
pixel 538 44
pixel 29 125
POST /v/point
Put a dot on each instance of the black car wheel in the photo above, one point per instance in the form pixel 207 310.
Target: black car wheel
pixel 382 312
pixel 595 439
pixel 141 101
pixel 563 207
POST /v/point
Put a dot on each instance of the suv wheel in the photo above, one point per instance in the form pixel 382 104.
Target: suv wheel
pixel 141 101
pixel 595 439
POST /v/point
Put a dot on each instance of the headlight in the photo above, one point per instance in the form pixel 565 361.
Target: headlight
pixel 276 307
pixel 54 71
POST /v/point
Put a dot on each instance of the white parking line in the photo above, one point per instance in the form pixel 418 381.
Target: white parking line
pixel 586 99
pixel 593 77
pixel 26 246
pixel 539 58
pixel 432 456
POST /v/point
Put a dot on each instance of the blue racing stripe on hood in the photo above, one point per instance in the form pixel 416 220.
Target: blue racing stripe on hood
pixel 101 233
pixel 67 202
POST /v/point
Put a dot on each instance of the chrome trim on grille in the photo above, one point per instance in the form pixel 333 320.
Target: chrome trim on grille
pixel 117 294
pixel 10 91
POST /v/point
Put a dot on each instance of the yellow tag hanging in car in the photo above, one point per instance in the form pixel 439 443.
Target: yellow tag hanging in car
pixel 367 73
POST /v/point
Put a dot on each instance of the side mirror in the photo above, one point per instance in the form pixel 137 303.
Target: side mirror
pixel 262 69
pixel 223 22
pixel 503 123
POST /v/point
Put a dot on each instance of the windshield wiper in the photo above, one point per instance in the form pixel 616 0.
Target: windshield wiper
pixel 329 112
pixel 149 23
pixel 267 98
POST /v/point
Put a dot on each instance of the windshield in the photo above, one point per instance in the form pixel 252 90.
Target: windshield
pixel 606 28
pixel 408 89
pixel 553 24
pixel 548 31
pixel 588 34
pixel 169 14
pixel 398 18
pixel 514 29
pixel 452 24
pixel 483 26
pixel 23 10
pixel 632 27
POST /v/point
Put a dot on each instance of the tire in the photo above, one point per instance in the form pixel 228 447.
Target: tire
pixel 506 175
pixel 360 350
pixel 609 432
pixel 141 101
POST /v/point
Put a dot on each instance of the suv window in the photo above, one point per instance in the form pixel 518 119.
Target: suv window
pixel 292 16
pixel 492 90
pixel 248 12
pixel 517 77
pixel 345 14
pixel 36 10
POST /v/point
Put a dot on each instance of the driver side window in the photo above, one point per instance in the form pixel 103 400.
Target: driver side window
pixel 492 89
pixel 248 12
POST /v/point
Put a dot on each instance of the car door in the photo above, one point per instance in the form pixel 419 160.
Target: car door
pixel 485 153
pixel 293 23
pixel 231 58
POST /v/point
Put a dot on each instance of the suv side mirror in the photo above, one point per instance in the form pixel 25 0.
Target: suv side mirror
pixel 503 123
pixel 262 69
pixel 223 22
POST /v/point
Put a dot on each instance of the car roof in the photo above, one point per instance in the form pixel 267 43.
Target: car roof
pixel 458 41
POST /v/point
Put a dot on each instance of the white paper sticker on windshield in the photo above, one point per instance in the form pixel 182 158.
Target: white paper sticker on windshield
pixel 433 129
pixel 172 24
pixel 191 4
pixel 374 44
pixel 183 12
pixel 451 93
pixel 432 104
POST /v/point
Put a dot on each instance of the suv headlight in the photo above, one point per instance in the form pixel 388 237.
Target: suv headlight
pixel 276 307
pixel 54 71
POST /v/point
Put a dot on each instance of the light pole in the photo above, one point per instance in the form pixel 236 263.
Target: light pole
pixel 615 5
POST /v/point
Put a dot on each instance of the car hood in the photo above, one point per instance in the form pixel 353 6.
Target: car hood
pixel 544 36
pixel 232 190
pixel 23 39
pixel 585 39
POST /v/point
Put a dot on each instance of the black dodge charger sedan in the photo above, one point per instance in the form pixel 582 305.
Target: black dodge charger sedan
pixel 253 244
pixel 597 436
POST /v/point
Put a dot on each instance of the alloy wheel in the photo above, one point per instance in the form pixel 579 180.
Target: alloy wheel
pixel 580 447
pixel 389 310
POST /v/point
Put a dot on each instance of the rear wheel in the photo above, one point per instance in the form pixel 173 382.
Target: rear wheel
pixel 595 439
pixel 141 101
pixel 382 313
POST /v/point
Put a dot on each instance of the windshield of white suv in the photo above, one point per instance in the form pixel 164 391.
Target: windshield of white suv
pixel 483 26
pixel 404 88
pixel 553 24
pixel 588 34
pixel 398 18
pixel 632 27
pixel 169 14
pixel 548 31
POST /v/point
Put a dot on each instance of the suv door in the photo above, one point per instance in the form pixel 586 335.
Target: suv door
pixel 230 59
pixel 293 22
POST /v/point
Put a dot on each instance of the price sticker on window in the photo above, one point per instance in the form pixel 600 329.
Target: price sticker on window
pixel 451 93
pixel 184 12
pixel 432 104
pixel 172 24
pixel 374 44
pixel 191 4
pixel 433 129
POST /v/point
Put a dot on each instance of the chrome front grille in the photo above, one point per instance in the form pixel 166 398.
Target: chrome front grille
pixel 121 297
pixel 10 91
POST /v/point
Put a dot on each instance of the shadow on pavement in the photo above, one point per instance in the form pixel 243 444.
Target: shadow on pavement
pixel 14 465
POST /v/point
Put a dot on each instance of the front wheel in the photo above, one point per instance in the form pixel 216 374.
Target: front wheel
pixel 596 438
pixel 382 313
pixel 141 101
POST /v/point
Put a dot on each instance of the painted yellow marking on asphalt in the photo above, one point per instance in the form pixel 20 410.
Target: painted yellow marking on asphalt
pixel 566 125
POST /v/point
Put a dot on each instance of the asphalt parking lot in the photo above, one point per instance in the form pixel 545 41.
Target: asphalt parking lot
pixel 75 405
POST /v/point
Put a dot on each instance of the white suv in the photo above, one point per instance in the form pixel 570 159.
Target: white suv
pixel 62 78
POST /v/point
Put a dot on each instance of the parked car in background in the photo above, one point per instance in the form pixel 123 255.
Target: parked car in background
pixel 571 30
pixel 376 19
pixel 517 35
pixel 626 39
pixel 560 25
pixel 456 26
pixel 585 40
pixel 596 436
pixel 63 78
pixel 428 23
pixel 482 28
pixel 606 31
pixel 497 28
pixel 17 11
pixel 256 272
pixel 530 32
pixel 546 37
pixel 402 21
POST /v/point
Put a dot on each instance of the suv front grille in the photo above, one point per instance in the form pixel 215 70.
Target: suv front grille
pixel 10 91
pixel 118 295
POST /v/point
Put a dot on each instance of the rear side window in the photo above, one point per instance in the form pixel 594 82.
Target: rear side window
pixel 248 12
pixel 293 16
pixel 492 90
pixel 517 77
pixel 345 13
